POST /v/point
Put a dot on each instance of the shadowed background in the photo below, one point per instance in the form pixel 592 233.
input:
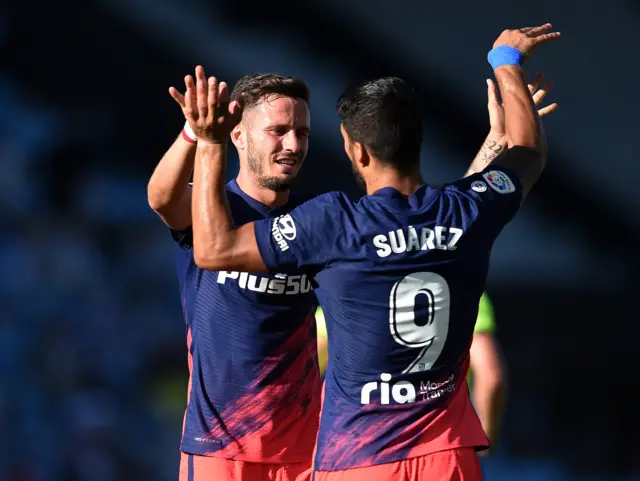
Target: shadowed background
pixel 92 343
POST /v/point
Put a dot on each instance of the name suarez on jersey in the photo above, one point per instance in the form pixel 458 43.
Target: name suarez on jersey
pixel 411 239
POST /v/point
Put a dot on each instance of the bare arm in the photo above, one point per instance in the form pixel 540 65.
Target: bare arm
pixel 527 153
pixel 488 386
pixel 217 244
pixel 496 142
pixel 168 191
pixel 492 147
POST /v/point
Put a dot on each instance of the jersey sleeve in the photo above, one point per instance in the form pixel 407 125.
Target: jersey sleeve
pixel 184 238
pixel 491 197
pixel 486 320
pixel 304 239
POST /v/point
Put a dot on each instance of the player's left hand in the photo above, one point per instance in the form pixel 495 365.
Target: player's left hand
pixel 496 111
pixel 207 108
pixel 527 39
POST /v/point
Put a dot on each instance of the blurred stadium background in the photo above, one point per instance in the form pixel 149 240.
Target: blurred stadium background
pixel 92 351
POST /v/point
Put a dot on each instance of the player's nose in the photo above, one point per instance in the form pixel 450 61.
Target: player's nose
pixel 291 142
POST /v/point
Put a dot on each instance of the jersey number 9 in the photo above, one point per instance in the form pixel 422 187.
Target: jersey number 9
pixel 419 307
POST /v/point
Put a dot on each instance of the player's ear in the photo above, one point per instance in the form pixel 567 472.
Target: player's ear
pixel 361 154
pixel 238 137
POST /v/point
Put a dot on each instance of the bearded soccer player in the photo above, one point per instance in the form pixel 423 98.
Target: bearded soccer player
pixel 399 273
pixel 254 389
pixel 487 395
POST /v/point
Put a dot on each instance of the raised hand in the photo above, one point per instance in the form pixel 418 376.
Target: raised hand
pixel 206 107
pixel 496 111
pixel 526 39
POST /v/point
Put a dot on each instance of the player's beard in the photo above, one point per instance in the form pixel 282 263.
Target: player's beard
pixel 359 178
pixel 271 182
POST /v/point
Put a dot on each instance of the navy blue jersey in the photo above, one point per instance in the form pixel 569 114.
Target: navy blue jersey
pixel 399 280
pixel 254 388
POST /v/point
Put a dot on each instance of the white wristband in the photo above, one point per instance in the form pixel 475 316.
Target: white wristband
pixel 189 132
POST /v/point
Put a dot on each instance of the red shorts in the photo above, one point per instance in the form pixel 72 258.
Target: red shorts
pixel 208 468
pixel 460 464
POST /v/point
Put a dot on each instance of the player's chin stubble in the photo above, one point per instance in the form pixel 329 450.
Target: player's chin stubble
pixel 276 184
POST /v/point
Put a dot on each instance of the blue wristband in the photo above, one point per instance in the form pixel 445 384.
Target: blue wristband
pixel 505 55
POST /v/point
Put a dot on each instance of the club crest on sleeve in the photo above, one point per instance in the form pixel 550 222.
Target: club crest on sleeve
pixel 499 181
pixel 478 186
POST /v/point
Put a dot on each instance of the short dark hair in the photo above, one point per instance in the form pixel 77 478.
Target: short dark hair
pixel 254 88
pixel 384 115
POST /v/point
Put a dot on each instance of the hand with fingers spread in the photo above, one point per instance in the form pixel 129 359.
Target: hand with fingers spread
pixel 206 107
pixel 496 142
pixel 496 110
pixel 526 39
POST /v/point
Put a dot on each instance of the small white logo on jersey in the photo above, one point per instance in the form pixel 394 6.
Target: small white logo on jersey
pixel 403 392
pixel 499 181
pixel 287 227
pixel 283 229
pixel 478 186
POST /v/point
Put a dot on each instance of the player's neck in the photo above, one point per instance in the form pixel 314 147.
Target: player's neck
pixel 249 185
pixel 406 184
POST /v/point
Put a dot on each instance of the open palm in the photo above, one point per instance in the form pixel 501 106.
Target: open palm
pixel 496 111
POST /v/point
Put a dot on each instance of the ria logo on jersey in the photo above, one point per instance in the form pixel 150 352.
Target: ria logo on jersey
pixel 403 392
pixel 280 284
pixel 283 230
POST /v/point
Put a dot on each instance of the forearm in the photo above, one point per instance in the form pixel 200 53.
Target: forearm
pixel 522 122
pixel 213 228
pixel 493 146
pixel 488 401
pixel 170 180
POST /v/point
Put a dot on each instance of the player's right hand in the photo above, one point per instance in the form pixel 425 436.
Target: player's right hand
pixel 496 111
pixel 206 107
pixel 526 39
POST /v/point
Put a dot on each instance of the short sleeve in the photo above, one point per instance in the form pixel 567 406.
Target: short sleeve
pixel 486 319
pixel 493 195
pixel 304 239
pixel 184 238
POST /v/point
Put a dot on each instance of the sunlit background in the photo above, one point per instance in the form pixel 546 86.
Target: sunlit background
pixel 93 364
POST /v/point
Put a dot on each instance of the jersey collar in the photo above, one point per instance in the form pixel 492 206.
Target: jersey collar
pixel 264 209
pixel 395 199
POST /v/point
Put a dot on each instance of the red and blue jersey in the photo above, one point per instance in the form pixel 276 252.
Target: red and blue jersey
pixel 399 279
pixel 254 387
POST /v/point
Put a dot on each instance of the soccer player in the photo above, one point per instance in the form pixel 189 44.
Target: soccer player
pixel 254 390
pixel 399 273
pixel 488 392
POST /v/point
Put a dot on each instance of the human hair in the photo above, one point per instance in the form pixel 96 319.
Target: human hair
pixel 384 116
pixel 254 88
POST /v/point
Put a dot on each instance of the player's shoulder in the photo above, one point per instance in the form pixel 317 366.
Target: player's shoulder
pixel 327 199
pixel 298 198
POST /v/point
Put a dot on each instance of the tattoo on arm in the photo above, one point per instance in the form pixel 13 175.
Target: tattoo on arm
pixel 490 150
